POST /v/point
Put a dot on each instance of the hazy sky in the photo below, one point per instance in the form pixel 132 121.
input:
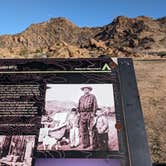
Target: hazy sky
pixel 72 92
pixel 16 15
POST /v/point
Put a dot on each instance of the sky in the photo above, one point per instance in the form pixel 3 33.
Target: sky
pixel 17 15
pixel 72 92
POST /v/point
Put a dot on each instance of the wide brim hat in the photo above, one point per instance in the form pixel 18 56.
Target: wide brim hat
pixel 88 87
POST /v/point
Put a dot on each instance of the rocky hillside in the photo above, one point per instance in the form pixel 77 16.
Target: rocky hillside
pixel 58 37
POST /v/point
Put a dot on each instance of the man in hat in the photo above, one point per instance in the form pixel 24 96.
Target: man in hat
pixel 87 107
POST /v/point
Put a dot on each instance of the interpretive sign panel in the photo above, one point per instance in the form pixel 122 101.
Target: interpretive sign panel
pixel 87 109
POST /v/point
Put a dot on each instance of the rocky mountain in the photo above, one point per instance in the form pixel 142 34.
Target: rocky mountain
pixel 58 37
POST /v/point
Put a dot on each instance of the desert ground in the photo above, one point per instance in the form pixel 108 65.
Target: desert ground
pixel 151 79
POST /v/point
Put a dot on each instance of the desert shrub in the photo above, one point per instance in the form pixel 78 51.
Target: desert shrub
pixel 23 52
pixel 38 51
pixel 162 54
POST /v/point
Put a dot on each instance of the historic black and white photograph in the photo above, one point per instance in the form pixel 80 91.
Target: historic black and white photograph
pixel 16 150
pixel 79 117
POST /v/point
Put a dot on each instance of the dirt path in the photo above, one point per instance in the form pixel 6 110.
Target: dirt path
pixel 151 78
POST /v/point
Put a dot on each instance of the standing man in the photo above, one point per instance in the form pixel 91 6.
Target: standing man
pixel 87 107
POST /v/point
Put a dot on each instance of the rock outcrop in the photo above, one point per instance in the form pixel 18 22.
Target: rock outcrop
pixel 141 35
